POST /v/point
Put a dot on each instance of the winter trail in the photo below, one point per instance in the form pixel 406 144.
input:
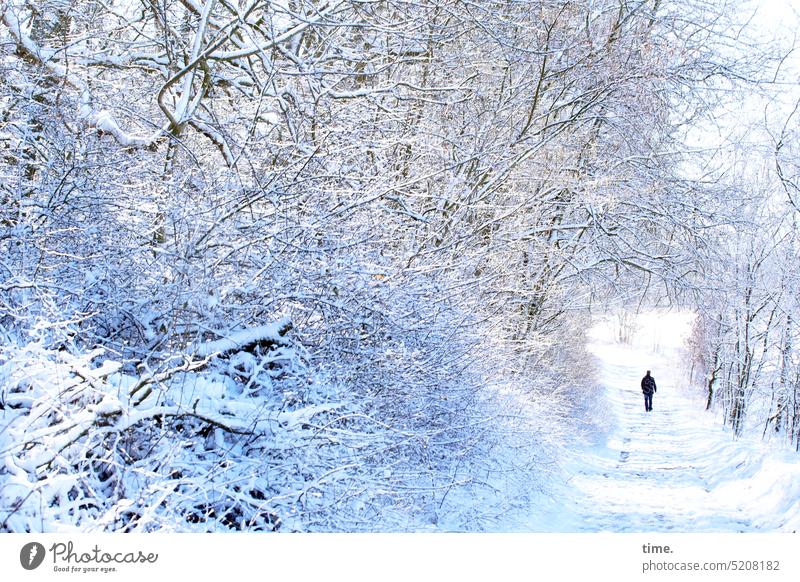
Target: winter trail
pixel 675 468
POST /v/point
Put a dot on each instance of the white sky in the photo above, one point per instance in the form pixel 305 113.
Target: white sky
pixel 778 19
pixel 776 11
pixel 742 119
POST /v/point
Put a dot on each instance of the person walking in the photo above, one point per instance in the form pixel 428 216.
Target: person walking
pixel 648 389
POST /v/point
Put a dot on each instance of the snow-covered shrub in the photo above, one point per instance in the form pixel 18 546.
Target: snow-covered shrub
pixel 88 446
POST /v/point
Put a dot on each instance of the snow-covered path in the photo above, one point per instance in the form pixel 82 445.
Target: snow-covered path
pixel 674 469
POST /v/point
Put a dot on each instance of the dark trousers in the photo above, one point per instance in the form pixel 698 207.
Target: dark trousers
pixel 648 402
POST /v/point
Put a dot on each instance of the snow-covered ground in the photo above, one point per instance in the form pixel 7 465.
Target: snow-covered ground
pixel 674 469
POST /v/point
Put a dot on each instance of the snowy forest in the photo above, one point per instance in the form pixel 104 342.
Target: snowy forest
pixel 331 265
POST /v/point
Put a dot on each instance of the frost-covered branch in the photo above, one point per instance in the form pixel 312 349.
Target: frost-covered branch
pixel 102 119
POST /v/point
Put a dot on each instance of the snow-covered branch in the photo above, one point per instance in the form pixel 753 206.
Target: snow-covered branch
pixel 102 119
pixel 271 334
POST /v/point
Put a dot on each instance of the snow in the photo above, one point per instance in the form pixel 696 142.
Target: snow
pixel 674 469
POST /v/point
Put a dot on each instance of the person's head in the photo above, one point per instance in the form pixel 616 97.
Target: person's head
pixel 648 373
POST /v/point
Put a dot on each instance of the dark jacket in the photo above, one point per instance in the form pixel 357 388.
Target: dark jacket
pixel 648 384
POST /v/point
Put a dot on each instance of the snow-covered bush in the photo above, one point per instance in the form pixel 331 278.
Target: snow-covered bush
pixel 87 445
pixel 239 433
